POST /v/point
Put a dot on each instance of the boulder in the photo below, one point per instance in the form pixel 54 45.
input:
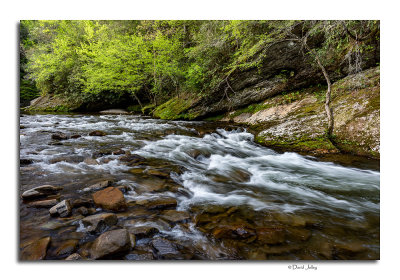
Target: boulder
pixel 110 198
pixel 165 249
pixel 59 136
pixel 111 243
pixel 62 209
pixel 99 222
pixel 97 133
pixel 159 203
pixel 142 231
pixel 174 216
pixel 40 192
pixel 75 136
pixel 100 185
pixel 36 250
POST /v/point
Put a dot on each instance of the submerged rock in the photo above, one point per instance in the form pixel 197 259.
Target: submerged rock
pixel 159 203
pixel 270 235
pixel 91 161
pixel 66 247
pixel 132 159
pixel 110 198
pixel 174 216
pixel 111 243
pixel 36 250
pixel 233 232
pixel 40 192
pixel 48 203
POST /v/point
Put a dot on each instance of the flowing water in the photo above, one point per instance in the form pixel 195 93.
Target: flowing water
pixel 245 201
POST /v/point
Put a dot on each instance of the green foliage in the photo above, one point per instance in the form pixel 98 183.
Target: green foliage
pixel 153 61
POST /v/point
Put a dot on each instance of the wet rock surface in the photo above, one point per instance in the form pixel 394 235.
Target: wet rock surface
pixel 111 243
pixel 110 199
pixel 36 250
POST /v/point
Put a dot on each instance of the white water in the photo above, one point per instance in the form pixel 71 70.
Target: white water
pixel 221 168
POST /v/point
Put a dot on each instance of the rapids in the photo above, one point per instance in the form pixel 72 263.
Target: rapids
pixel 220 177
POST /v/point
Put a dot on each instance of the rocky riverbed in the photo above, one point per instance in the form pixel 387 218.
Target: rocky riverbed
pixel 134 188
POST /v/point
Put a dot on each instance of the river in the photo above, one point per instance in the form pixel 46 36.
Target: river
pixel 242 200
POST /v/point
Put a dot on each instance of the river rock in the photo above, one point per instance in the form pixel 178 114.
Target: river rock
pixel 174 216
pixel 66 248
pixel 150 185
pixel 74 257
pixel 25 161
pixel 157 173
pixel 159 203
pixel 118 152
pixel 36 250
pixel 132 159
pixel 114 112
pixel 139 256
pixel 100 185
pixel 142 231
pixel 110 198
pixel 99 222
pixel 233 232
pixel 59 136
pixel 91 161
pixel 97 133
pixel 123 189
pixel 40 192
pixel 270 235
pixel 48 203
pixel 85 211
pixel 62 209
pixel 111 243
pixel 75 136
pixel 84 201
pixel 165 249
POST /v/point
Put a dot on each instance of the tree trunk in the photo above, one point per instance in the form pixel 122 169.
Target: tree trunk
pixel 328 109
pixel 138 100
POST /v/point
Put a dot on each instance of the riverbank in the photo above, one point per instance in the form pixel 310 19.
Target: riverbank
pixel 291 121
